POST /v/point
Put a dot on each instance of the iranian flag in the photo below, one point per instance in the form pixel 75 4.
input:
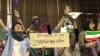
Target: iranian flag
pixel 92 35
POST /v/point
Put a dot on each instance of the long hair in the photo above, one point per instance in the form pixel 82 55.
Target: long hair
pixel 85 24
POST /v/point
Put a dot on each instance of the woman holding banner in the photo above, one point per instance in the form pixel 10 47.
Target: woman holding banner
pixel 45 28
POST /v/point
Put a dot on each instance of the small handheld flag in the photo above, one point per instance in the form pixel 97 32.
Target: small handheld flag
pixel 92 35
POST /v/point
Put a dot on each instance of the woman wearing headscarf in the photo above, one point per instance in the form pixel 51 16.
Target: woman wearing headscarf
pixel 17 43
pixel 87 48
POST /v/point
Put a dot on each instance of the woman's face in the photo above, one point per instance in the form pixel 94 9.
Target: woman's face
pixel 92 25
pixel 18 28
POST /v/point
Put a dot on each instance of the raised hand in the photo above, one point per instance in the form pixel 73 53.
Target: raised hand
pixel 35 20
pixel 16 13
pixel 67 9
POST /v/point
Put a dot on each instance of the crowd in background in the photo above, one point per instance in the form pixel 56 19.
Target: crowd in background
pixel 17 38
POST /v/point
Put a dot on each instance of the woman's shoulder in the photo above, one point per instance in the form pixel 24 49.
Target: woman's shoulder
pixel 81 35
pixel 82 32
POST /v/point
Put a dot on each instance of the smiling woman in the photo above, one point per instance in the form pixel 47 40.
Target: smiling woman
pixel 13 38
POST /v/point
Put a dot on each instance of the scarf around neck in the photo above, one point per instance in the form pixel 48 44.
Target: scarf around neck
pixel 19 36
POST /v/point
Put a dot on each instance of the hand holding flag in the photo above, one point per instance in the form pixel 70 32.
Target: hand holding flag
pixel 74 15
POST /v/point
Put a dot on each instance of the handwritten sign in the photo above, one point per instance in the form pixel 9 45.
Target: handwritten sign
pixel 40 40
